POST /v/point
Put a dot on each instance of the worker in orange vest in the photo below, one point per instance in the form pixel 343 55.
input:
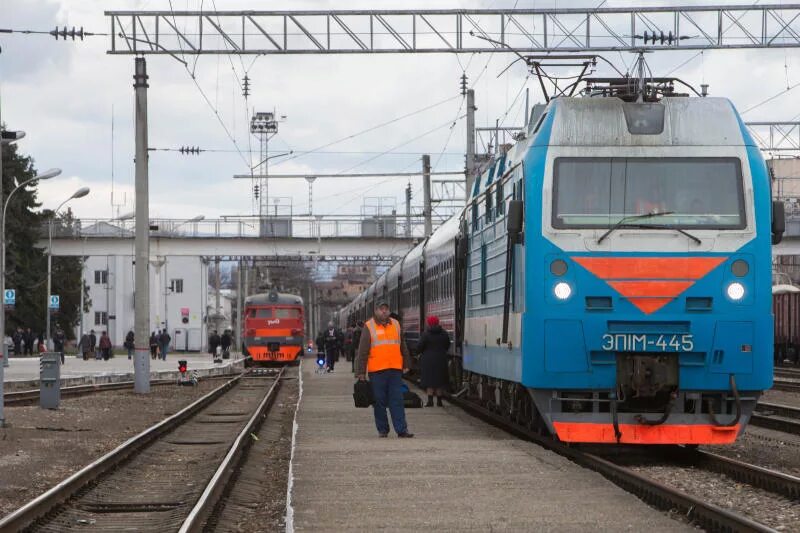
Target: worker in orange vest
pixel 383 354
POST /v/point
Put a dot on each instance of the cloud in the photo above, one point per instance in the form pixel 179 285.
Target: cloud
pixel 62 94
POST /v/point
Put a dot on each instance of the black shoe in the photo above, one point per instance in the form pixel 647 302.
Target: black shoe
pixel 405 435
pixel 430 403
pixel 439 402
pixel 383 435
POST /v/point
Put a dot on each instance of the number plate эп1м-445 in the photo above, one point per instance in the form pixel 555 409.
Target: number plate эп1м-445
pixel 633 342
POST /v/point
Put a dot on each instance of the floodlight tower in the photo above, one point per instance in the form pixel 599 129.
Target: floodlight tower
pixel 264 126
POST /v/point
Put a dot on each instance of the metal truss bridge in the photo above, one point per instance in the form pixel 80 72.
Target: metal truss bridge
pixel 454 31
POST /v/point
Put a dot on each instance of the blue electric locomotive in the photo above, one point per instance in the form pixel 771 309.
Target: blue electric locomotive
pixel 609 279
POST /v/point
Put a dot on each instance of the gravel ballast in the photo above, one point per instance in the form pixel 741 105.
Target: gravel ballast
pixel 42 447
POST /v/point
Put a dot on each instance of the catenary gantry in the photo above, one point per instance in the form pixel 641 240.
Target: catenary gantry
pixel 463 30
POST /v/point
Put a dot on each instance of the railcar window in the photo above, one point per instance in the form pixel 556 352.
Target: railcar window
pixel 483 274
pixel 488 206
pixel 694 192
pixel 287 313
pixel 261 313
pixel 500 201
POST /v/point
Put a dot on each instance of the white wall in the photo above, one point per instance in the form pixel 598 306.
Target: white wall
pixel 168 306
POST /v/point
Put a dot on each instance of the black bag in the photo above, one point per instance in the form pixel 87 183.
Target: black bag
pixel 411 400
pixel 362 394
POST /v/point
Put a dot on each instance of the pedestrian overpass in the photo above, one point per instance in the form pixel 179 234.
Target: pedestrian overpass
pixel 388 236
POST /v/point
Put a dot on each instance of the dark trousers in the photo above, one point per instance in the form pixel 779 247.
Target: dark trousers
pixel 330 358
pixel 387 391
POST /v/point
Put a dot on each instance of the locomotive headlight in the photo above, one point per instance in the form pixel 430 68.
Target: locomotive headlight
pixel 735 291
pixel 562 290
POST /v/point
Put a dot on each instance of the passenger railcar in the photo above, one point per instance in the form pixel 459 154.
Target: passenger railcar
pixel 609 279
pixel 786 309
pixel 273 327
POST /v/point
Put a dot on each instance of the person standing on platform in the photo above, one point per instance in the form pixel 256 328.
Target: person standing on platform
pixel 332 343
pixel 58 342
pixel 163 341
pixel 105 346
pixel 85 346
pixel 16 338
pixel 383 354
pixel 433 346
pixel 129 344
pixel 29 341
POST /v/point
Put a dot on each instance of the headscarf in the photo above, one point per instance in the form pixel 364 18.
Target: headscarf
pixel 433 321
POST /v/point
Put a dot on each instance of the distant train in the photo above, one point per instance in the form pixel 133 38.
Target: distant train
pixel 609 279
pixel 274 327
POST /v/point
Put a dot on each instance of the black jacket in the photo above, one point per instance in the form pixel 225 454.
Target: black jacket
pixel 433 346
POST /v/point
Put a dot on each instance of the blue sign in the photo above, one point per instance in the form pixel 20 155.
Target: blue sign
pixel 55 301
pixel 10 297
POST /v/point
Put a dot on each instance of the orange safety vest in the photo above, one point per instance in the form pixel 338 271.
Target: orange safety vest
pixel 384 350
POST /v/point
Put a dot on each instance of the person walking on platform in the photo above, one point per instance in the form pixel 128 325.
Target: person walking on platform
pixel 383 354
pixel 331 344
pixel 213 342
pixel 129 344
pixel 154 344
pixel 16 338
pixel 225 343
pixel 85 346
pixel 433 346
pixel 105 346
pixel 163 342
pixel 93 344
pixel 356 341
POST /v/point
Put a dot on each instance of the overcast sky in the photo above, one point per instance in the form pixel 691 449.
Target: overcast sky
pixel 62 95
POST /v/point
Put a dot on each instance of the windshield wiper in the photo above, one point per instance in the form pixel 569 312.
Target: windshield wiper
pixel 679 230
pixel 625 221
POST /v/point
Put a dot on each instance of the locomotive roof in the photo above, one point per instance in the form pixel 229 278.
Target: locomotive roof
pixel 605 122
pixel 273 298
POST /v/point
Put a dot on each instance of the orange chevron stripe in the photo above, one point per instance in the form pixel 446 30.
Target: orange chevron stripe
pixel 658 280
pixel 649 267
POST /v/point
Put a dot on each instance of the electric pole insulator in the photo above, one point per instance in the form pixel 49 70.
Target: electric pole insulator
pixel 190 150
pixel 246 86
pixel 64 33
pixel 255 191
pixel 463 85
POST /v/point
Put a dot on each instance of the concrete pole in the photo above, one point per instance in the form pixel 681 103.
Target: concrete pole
pixel 217 283
pixel 527 107
pixel 408 211
pixel 470 167
pixel 427 210
pixel 141 364
pixel 47 341
pixel 237 333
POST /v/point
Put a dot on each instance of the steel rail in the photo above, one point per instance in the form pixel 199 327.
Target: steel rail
pixel 707 515
pixel 786 386
pixel 44 503
pixel 756 476
pixel 27 397
pixel 777 416
pixel 222 477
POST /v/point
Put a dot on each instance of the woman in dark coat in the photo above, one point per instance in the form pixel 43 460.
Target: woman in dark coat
pixel 433 346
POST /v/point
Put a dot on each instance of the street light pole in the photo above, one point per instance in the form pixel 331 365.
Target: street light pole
pixel 52 173
pixel 80 193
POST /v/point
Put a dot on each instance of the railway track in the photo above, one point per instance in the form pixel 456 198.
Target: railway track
pixel 31 396
pixel 701 512
pixel 786 385
pixel 168 477
pixel 778 417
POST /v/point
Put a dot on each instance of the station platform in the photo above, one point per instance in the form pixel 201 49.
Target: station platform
pixel 23 372
pixel 456 474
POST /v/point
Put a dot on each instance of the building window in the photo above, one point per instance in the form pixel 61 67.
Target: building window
pixel 101 277
pixel 176 285
pixel 100 318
